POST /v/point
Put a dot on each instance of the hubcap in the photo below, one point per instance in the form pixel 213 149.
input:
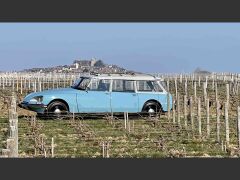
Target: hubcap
pixel 57 110
pixel 151 110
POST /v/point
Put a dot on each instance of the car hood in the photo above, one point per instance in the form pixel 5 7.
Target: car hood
pixel 51 92
pixel 59 91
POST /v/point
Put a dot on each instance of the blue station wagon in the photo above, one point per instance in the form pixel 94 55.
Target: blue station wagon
pixel 103 93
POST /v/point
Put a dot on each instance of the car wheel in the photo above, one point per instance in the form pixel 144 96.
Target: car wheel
pixel 57 109
pixel 152 108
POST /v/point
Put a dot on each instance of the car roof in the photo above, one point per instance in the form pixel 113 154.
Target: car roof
pixel 131 76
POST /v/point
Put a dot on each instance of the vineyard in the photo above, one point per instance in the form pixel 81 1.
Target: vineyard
pixel 204 122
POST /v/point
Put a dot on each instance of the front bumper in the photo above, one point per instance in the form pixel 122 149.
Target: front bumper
pixel 39 108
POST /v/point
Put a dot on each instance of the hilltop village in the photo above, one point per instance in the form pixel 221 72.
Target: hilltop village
pixel 82 66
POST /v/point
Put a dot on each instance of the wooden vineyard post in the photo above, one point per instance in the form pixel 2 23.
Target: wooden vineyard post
pixel 191 113
pixel 103 149
pixel 174 113
pixel 199 118
pixel 178 111
pixel 39 85
pixel 226 124
pixel 48 83
pixel 13 119
pixel 3 83
pixel 126 123
pixel 195 91
pixel 192 82
pixel 185 111
pixel 13 83
pixel 199 81
pixel 206 85
pixel 237 86
pixel 128 126
pixel 227 93
pixel 25 83
pixel 218 121
pixel 73 115
pixel 186 87
pixel 52 147
pixel 12 141
pixel 17 83
pixel 43 83
pixel 64 81
pixel 35 85
pixel 168 106
pixel 213 83
pixel 29 84
pixel 21 85
pixel 216 92
pixel 53 81
pixel 107 149
pixel 57 83
pixel 205 92
pixel 70 81
pixel 176 88
pixel 168 101
pixel 238 120
pixel 208 121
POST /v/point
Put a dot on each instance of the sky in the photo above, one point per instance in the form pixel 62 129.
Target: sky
pixel 143 47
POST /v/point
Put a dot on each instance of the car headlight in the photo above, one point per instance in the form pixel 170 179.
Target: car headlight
pixel 35 100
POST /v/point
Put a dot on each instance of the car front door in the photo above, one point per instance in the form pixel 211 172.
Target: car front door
pixel 95 98
pixel 123 96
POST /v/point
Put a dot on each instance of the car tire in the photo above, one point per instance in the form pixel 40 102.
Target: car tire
pixel 57 109
pixel 152 107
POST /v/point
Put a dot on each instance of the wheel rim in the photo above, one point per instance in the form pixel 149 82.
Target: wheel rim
pixel 58 109
pixel 151 109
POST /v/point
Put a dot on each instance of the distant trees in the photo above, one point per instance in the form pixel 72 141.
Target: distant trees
pixel 198 70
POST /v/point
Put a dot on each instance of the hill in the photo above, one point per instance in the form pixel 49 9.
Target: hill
pixel 82 66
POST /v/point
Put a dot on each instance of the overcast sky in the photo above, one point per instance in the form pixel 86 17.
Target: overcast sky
pixel 146 47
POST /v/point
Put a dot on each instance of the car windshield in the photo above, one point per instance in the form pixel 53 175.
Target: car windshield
pixel 81 83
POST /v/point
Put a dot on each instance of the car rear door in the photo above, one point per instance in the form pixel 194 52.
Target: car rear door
pixel 123 96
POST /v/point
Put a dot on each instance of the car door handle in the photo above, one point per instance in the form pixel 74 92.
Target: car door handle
pixel 134 94
pixel 107 93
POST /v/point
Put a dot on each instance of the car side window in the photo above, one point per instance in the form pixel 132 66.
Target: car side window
pixel 123 86
pixel 148 86
pixel 157 87
pixel 99 85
